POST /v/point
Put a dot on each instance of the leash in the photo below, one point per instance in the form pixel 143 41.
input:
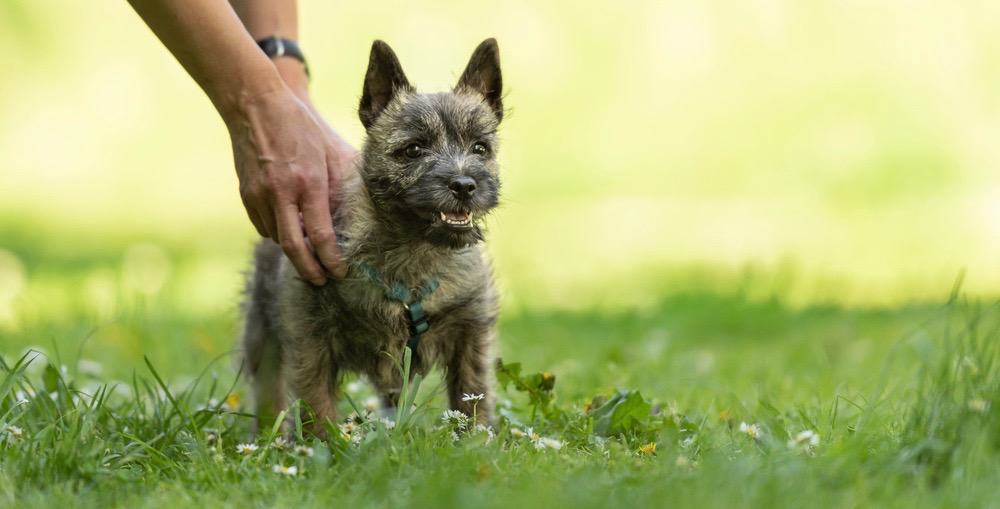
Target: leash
pixel 412 300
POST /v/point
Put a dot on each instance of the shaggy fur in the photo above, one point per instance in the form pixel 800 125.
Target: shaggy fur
pixel 299 338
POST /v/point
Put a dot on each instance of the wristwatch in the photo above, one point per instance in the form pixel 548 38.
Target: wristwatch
pixel 275 47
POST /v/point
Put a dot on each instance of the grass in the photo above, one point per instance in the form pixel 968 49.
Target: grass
pixel 647 407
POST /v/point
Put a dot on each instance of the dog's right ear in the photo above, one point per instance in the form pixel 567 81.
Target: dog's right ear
pixel 383 81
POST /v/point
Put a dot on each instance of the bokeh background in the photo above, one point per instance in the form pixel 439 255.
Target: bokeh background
pixel 843 152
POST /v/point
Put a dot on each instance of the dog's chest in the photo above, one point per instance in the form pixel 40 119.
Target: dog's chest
pixel 364 328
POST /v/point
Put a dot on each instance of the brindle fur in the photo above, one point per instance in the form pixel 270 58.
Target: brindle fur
pixel 301 339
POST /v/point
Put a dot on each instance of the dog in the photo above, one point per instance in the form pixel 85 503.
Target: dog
pixel 410 227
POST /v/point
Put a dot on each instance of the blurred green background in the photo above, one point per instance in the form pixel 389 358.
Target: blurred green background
pixel 824 151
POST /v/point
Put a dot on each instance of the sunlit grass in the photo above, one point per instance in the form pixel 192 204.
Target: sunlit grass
pixel 712 401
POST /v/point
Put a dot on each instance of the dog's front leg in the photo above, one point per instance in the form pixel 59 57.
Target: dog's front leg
pixel 470 373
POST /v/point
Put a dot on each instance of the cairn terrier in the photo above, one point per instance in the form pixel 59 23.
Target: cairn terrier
pixel 410 227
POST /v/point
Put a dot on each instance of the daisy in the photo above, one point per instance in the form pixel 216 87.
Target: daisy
pixel 530 433
pixel 246 449
pixel 482 428
pixel 805 440
pixel 517 432
pixel 303 450
pixel 371 404
pixel 473 397
pixel 387 422
pixel 548 443
pixel 455 418
pixel 348 428
pixel 280 443
pixel 752 430
pixel 11 434
pixel 291 471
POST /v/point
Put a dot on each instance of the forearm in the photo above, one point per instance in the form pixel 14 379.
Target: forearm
pixel 211 43
pixel 265 18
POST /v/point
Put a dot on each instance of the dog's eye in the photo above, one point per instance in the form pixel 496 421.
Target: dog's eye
pixel 413 151
pixel 480 149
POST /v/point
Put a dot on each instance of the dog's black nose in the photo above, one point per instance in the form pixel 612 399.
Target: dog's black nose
pixel 462 187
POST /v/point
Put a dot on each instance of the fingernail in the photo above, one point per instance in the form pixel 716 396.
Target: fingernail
pixel 319 282
pixel 340 270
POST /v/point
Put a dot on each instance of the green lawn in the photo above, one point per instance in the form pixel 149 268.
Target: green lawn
pixel 903 402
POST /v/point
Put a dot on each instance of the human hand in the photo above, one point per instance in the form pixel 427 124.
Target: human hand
pixel 288 161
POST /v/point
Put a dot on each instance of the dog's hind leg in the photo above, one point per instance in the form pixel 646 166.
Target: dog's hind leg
pixel 261 337
pixel 314 379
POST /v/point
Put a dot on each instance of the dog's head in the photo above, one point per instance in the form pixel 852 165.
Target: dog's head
pixel 430 162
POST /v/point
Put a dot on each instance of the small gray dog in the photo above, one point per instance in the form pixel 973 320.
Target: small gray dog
pixel 410 227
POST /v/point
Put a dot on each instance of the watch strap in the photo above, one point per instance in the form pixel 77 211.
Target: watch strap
pixel 275 47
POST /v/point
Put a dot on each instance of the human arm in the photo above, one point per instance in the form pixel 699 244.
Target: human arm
pixel 287 159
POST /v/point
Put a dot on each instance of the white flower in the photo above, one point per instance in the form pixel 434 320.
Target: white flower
pixel 517 432
pixel 348 428
pixel 455 419
pixel 979 405
pixel 371 403
pixel 454 436
pixel 354 386
pixel 303 450
pixel 530 433
pixel 752 430
pixel 387 422
pixel 362 418
pixel 12 433
pixel 687 442
pixel 280 443
pixel 548 443
pixel 482 428
pixel 473 397
pixel 211 437
pixel 291 471
pixel 805 440
pixel 246 449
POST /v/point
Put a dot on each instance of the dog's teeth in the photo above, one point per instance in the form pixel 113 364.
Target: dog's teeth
pixel 461 221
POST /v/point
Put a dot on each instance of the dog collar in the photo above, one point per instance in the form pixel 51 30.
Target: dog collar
pixel 411 298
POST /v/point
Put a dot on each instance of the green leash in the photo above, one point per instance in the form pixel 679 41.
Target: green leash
pixel 411 299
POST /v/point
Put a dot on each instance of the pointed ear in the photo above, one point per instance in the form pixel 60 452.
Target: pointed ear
pixel 383 81
pixel 482 75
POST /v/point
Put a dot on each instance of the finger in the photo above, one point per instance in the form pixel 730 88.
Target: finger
pixel 294 245
pixel 254 218
pixel 268 219
pixel 319 229
pixel 257 223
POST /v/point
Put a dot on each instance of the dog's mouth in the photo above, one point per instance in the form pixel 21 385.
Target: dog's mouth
pixel 458 219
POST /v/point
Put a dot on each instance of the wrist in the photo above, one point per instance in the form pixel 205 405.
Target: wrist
pixel 294 74
pixel 239 93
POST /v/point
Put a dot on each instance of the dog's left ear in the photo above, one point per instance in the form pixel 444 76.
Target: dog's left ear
pixel 482 75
